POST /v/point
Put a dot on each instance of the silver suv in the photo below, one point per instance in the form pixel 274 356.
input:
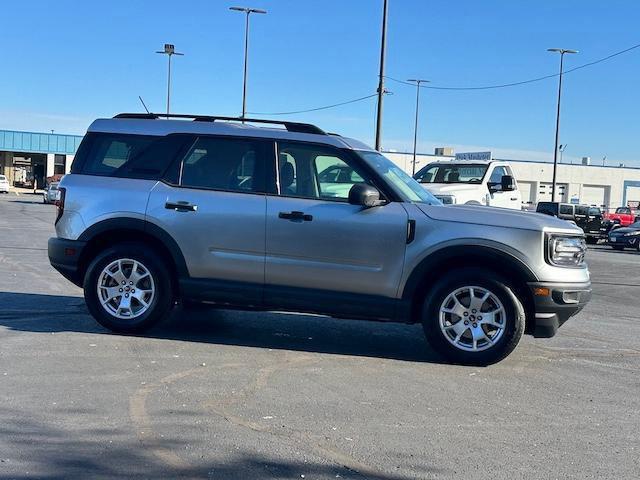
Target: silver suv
pixel 159 211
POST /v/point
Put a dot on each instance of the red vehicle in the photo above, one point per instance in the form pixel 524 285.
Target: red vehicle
pixel 623 216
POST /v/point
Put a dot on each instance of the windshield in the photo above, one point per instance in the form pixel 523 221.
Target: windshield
pixel 471 173
pixel 626 210
pixel 2 178
pixel 401 182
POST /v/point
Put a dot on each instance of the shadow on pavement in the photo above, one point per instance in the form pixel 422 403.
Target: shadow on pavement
pixel 35 449
pixel 298 332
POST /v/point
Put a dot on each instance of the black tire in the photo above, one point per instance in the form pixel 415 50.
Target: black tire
pixel 592 240
pixel 160 304
pixel 514 318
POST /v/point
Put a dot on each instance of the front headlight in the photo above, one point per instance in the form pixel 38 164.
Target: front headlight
pixel 567 251
pixel 632 234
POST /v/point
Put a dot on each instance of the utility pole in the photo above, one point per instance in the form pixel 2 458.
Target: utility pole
pixel 417 81
pixel 169 51
pixel 561 51
pixel 247 11
pixel 383 48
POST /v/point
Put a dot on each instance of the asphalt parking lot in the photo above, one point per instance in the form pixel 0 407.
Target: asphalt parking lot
pixel 226 395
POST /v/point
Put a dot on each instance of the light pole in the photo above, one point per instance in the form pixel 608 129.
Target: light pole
pixel 381 92
pixel 248 12
pixel 169 51
pixel 561 51
pixel 417 81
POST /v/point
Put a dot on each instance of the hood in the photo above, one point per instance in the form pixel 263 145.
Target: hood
pixel 498 217
pixel 622 231
pixel 450 188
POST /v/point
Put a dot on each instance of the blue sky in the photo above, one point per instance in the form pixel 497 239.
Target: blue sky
pixel 67 62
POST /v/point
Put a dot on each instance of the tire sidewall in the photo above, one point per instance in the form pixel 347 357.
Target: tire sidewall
pixel 161 303
pixel 514 316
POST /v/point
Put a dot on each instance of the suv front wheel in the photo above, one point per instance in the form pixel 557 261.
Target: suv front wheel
pixel 127 288
pixel 473 317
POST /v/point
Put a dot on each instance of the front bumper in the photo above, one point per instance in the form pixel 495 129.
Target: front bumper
pixel 555 303
pixel 64 256
pixel 626 242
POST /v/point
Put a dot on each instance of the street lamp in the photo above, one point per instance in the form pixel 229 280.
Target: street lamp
pixel 561 149
pixel 417 82
pixel 248 11
pixel 561 51
pixel 169 51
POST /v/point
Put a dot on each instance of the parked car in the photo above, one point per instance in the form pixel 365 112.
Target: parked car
pixel 623 216
pixel 51 193
pixel 476 182
pixel 588 218
pixel 625 237
pixel 4 184
pixel 163 211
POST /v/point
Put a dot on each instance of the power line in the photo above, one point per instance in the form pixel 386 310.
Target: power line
pixel 532 80
pixel 318 108
pixel 432 87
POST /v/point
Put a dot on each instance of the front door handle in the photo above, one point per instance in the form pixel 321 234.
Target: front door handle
pixel 295 216
pixel 181 206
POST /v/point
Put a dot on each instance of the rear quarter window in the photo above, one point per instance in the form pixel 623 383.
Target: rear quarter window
pixel 126 156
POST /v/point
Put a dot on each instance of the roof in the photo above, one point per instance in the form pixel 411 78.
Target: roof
pixel 140 125
pixel 34 142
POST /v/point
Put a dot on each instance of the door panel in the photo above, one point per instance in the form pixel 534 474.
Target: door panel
pixel 223 238
pixel 339 247
pixel 216 213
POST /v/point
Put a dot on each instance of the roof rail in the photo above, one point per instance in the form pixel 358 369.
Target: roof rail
pixel 290 126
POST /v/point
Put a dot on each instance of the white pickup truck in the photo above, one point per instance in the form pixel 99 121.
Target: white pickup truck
pixel 472 182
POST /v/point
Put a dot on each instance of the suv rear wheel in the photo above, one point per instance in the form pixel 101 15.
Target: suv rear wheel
pixel 127 288
pixel 473 317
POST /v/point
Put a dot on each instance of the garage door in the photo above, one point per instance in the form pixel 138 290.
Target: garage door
pixel 526 188
pixel 593 195
pixel 632 194
pixel 544 194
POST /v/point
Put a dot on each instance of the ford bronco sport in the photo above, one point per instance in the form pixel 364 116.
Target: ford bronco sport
pixel 167 209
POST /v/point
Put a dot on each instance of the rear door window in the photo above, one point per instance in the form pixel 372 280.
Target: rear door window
pixel 228 164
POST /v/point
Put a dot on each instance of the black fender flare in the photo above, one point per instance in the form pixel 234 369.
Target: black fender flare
pixel 484 253
pixel 142 226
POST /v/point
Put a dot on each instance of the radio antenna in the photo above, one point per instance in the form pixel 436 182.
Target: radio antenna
pixel 143 104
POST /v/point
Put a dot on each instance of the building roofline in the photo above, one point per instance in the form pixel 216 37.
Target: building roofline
pixel 546 162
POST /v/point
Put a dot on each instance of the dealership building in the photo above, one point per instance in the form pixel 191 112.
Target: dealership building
pixel 28 155
pixel 603 186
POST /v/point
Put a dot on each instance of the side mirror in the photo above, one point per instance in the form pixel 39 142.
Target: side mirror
pixel 364 195
pixel 507 183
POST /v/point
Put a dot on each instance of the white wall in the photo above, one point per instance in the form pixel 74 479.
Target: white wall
pixel 576 177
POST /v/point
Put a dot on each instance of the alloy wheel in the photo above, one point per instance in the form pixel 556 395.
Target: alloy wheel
pixel 126 288
pixel 472 318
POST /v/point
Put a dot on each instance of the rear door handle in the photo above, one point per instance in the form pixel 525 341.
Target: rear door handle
pixel 181 206
pixel 295 216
